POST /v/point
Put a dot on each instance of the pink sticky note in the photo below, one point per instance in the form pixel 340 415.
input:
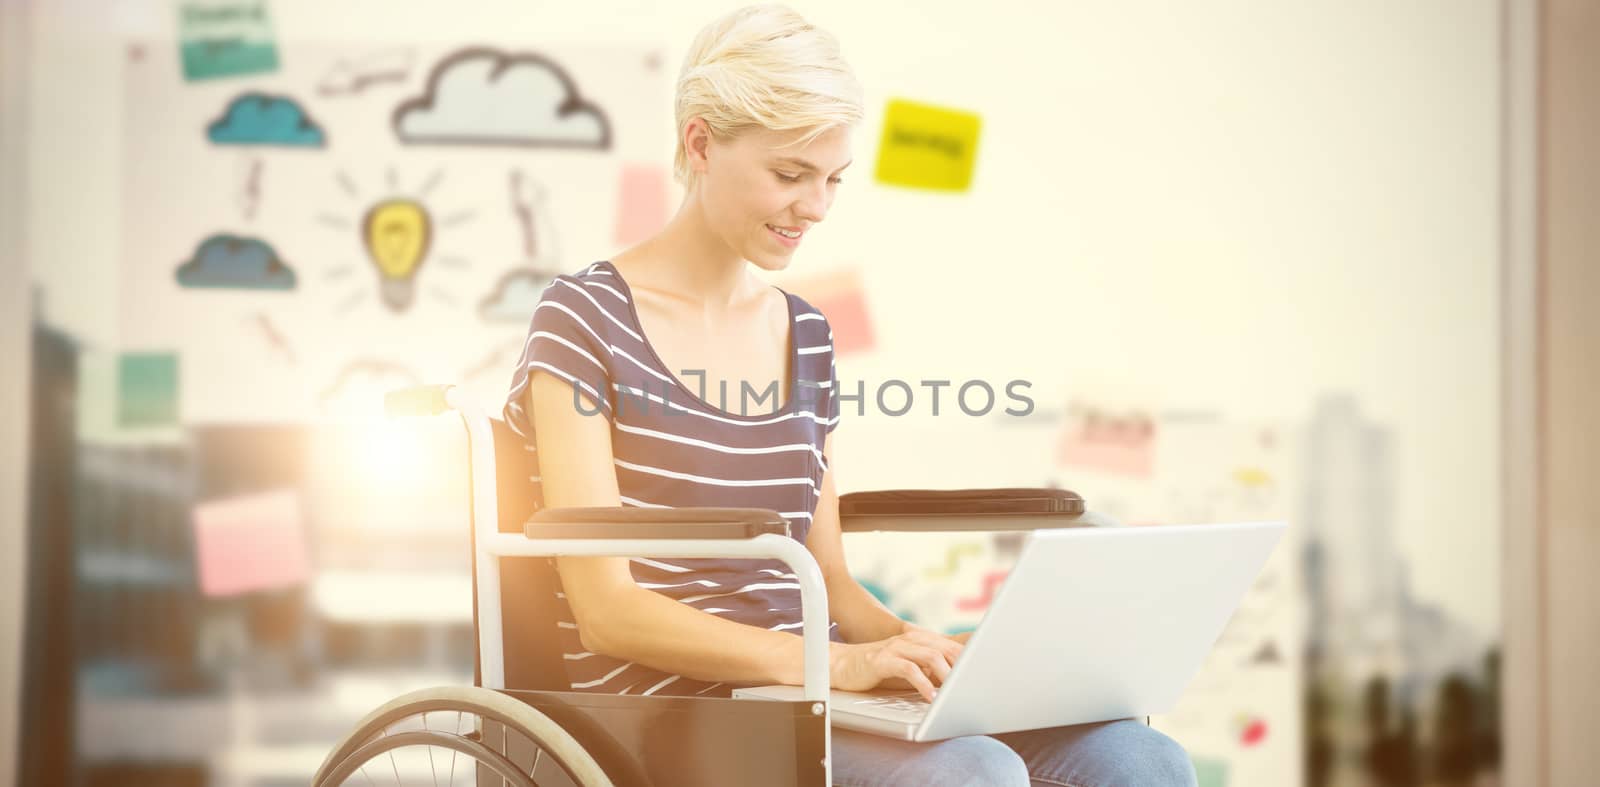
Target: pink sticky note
pixel 642 208
pixel 249 543
pixel 1115 444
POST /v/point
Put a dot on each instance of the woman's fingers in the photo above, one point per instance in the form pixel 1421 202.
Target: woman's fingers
pixel 918 658
pixel 927 659
pixel 912 674
pixel 949 647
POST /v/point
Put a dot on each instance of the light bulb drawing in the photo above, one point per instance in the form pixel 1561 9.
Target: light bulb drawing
pixel 396 233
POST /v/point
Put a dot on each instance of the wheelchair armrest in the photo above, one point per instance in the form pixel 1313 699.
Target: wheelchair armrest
pixel 620 522
pixel 928 524
pixel 921 510
pixel 658 532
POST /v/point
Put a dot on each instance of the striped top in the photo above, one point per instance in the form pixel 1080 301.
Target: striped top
pixel 675 449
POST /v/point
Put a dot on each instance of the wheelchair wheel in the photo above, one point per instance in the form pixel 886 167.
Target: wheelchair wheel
pixel 453 735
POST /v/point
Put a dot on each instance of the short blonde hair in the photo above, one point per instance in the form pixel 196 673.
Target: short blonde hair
pixel 763 66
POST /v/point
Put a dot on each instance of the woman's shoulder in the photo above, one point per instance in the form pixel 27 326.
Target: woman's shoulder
pixel 576 326
pixel 589 296
pixel 811 327
pixel 576 285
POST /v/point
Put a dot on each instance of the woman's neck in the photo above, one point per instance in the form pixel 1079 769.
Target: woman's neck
pixel 689 262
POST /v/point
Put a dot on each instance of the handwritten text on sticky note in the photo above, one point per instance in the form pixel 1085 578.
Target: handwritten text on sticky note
pixel 927 147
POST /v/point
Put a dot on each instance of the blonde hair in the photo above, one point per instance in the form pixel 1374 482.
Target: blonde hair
pixel 763 66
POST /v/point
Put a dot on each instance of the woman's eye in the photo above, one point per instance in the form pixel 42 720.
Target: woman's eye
pixel 835 181
pixel 788 178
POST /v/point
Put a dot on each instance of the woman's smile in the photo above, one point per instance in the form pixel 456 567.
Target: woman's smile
pixel 788 237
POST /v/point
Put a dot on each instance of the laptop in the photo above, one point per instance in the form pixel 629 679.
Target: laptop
pixel 1091 624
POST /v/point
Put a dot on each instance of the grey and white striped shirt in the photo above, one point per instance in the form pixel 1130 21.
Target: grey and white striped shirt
pixel 675 449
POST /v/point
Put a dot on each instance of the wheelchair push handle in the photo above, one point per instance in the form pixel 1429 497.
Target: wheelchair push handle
pixel 417 400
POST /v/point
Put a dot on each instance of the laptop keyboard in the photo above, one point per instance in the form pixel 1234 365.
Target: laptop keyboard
pixel 906 703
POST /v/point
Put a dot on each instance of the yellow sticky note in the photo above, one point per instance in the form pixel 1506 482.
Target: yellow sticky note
pixel 927 147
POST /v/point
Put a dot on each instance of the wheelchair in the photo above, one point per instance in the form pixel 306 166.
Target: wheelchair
pixel 520 724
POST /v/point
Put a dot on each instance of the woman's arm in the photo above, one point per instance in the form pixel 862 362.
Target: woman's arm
pixel 615 616
pixel 861 617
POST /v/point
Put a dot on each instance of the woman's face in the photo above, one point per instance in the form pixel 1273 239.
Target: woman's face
pixel 762 194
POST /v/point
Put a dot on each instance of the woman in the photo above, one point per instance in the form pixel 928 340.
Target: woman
pixel 618 371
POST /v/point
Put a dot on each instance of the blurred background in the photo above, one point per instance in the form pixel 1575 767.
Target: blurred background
pixel 1321 261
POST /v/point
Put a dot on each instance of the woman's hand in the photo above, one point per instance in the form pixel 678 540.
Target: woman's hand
pixel 961 638
pixel 918 658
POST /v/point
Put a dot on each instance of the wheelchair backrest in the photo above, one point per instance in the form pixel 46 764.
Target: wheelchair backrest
pixel 531 645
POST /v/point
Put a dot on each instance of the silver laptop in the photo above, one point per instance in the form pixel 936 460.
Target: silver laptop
pixel 1092 624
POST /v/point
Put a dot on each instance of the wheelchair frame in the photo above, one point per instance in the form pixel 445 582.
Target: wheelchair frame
pixel 609 726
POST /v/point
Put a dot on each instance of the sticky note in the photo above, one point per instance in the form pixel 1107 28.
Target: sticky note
pixel 1210 772
pixel 642 203
pixel 250 543
pixel 221 38
pixel 147 389
pixel 1110 443
pixel 927 147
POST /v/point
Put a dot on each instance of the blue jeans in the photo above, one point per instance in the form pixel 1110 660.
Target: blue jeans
pixel 1124 753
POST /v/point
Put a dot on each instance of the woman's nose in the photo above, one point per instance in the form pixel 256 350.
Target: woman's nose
pixel 813 207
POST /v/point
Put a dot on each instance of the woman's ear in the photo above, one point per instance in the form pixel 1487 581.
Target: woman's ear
pixel 696 143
